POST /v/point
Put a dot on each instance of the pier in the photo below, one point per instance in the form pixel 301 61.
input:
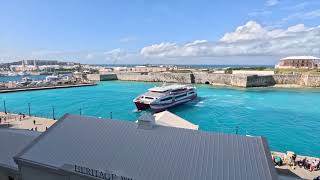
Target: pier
pixel 44 87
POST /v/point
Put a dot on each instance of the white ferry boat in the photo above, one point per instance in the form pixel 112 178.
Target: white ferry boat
pixel 163 97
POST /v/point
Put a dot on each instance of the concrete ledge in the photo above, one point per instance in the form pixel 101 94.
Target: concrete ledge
pixel 166 118
pixel 44 88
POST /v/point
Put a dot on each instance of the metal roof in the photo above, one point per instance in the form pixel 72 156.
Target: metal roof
pixel 12 142
pixel 161 153
pixel 300 58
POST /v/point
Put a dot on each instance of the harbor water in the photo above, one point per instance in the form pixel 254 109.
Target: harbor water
pixel 288 118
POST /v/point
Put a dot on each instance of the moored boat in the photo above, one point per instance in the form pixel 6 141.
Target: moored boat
pixel 164 97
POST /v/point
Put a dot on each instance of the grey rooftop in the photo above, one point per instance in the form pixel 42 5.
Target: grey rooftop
pixel 159 153
pixel 12 142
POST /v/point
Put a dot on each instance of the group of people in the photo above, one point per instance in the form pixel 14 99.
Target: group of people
pixel 311 164
pixel 22 116
pixel 3 119
pixel 290 159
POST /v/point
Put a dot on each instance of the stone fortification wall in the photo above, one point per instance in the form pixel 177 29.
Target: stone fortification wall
pixel 101 77
pixel 156 77
pixel 297 79
pixel 286 79
pixel 239 80
pixel 260 81
pixel 221 79
pixel 311 81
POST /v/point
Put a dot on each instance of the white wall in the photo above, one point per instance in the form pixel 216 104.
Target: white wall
pixel 248 72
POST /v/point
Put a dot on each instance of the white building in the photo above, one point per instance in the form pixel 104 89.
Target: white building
pixel 299 62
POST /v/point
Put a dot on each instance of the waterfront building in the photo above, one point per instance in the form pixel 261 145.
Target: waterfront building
pixel 12 142
pixel 297 62
pixel 104 70
pixel 80 147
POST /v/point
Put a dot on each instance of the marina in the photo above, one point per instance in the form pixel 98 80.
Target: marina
pixel 287 117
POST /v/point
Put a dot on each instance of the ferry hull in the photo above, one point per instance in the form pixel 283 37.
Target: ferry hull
pixel 141 106
pixel 162 107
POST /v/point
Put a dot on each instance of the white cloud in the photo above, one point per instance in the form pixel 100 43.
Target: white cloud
pixel 311 14
pixel 246 41
pixel 251 30
pixel 115 54
pixel 110 56
pixel 127 39
pixel 90 56
pixel 303 16
pixel 272 2
pixel 251 39
pixel 160 50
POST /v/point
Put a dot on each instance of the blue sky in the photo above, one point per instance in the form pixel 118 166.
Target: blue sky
pixel 166 31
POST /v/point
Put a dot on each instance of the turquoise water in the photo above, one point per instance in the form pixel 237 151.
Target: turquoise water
pixel 290 119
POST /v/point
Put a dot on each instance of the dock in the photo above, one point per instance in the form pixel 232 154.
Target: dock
pixel 166 118
pixel 45 87
pixel 30 123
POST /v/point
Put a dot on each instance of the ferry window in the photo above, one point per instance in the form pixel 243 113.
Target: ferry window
pixel 191 92
pixel 181 96
pixel 177 90
pixel 166 99
pixel 148 97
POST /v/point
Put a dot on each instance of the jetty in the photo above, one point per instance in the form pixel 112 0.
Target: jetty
pixel 44 87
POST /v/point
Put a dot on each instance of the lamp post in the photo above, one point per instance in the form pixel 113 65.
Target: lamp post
pixel 4 106
pixel 29 109
pixel 53 116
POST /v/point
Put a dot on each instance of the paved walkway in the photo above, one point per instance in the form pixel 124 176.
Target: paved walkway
pixel 31 123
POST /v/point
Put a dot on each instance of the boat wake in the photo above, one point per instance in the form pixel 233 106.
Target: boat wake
pixel 198 102
pixel 136 111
